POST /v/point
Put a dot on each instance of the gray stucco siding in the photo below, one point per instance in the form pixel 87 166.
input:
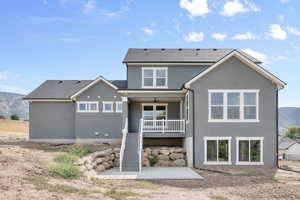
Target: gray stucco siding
pixel 234 74
pixel 177 75
pixel 51 120
pixel 99 125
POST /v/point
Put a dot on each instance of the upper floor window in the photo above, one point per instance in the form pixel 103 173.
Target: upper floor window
pixel 233 105
pixel 88 106
pixel 155 77
pixel 108 106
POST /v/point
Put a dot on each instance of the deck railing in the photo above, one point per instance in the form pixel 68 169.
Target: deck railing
pixel 164 126
pixel 124 131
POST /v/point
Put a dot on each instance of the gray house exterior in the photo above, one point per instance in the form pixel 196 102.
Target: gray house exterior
pixel 219 104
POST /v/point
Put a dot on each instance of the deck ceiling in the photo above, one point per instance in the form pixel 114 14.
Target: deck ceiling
pixel 154 99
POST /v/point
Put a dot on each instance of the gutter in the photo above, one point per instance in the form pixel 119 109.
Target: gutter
pixel 193 97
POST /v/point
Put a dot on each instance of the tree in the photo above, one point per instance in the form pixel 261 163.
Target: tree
pixel 14 117
pixel 2 117
pixel 293 132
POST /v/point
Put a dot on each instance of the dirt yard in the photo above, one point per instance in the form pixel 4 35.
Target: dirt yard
pixel 24 175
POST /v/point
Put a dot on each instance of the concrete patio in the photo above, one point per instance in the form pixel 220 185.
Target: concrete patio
pixel 151 173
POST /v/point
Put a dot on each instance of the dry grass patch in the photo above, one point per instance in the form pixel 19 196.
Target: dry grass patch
pixel 120 194
pixel 297 195
pixel 63 170
pixel 218 197
pixel 125 184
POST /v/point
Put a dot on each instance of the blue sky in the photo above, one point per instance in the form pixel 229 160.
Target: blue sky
pixel 82 39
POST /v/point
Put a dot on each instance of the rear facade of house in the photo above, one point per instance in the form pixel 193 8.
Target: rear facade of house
pixel 219 104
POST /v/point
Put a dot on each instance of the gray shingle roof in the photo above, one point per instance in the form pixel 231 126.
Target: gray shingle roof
pixel 63 89
pixel 179 55
pixel 285 142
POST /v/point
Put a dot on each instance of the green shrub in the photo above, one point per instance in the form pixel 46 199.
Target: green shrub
pixel 14 117
pixel 64 170
pixel 80 150
pixel 293 132
pixel 153 160
pixel 65 158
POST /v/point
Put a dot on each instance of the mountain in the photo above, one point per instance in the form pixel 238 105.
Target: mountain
pixel 12 103
pixel 288 116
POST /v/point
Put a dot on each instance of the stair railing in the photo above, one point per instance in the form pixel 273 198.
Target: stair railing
pixel 140 148
pixel 122 149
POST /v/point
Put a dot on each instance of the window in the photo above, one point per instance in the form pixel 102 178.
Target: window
pixel 107 106
pixel 154 111
pixel 88 106
pixel 119 106
pixel 217 150
pixel 249 150
pixel 155 77
pixel 233 106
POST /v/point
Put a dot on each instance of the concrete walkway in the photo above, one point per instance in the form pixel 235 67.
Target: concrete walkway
pixel 151 173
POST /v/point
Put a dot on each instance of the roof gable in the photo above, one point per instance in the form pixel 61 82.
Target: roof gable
pixel 247 62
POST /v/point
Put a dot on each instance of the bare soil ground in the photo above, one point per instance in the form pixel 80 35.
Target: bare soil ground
pixel 24 176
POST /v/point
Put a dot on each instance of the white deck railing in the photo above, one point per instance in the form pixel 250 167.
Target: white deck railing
pixel 164 126
pixel 124 131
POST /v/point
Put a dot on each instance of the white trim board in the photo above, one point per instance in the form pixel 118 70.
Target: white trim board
pixel 93 83
pixel 279 83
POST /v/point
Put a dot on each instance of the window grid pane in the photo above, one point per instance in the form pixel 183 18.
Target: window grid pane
pixel 255 150
pixel 212 151
pixel 223 150
pixel 244 150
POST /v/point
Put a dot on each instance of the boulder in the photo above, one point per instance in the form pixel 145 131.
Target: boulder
pixel 164 151
pixel 155 152
pixel 117 155
pixel 106 165
pixel 116 150
pixel 162 163
pixel 163 157
pixel 148 150
pixel 176 156
pixel 109 151
pixel 178 150
pixel 100 168
pixel 98 154
pixel 180 162
pixel 116 163
pixel 99 160
pixel 112 156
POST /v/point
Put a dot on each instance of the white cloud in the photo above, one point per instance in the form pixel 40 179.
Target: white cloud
pixel 284 1
pixel 281 17
pixel 148 31
pixel 89 6
pixel 195 7
pixel 4 75
pixel 219 36
pixel 128 33
pixel 260 56
pixel 125 8
pixel 245 36
pixel 281 58
pixel 234 7
pixel 293 30
pixel 13 89
pixel 276 32
pixel 194 37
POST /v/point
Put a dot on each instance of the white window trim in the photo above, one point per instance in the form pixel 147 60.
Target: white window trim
pixel 119 102
pixel 241 106
pixel 154 76
pixel 187 98
pixel 261 151
pixel 154 108
pixel 88 104
pixel 217 162
pixel 107 102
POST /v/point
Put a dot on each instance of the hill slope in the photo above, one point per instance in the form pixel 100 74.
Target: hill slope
pixel 11 103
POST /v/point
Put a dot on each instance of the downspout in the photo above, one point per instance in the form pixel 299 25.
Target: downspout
pixel 193 99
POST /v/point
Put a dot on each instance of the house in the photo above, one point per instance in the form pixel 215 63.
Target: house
pixel 219 104
pixel 288 149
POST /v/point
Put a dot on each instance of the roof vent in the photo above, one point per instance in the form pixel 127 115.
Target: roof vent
pixel 145 49
pixel 78 82
pixel 180 49
pixel 59 82
pixel 215 49
pixel 197 49
pixel 163 49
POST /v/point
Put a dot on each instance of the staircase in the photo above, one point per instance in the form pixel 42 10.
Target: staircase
pixel 131 153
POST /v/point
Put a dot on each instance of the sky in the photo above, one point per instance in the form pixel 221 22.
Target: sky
pixel 83 39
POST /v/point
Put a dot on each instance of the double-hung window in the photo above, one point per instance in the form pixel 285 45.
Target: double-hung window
pixel 88 106
pixel 249 150
pixel 156 77
pixel 217 150
pixel 233 106
pixel 108 106
pixel 119 106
